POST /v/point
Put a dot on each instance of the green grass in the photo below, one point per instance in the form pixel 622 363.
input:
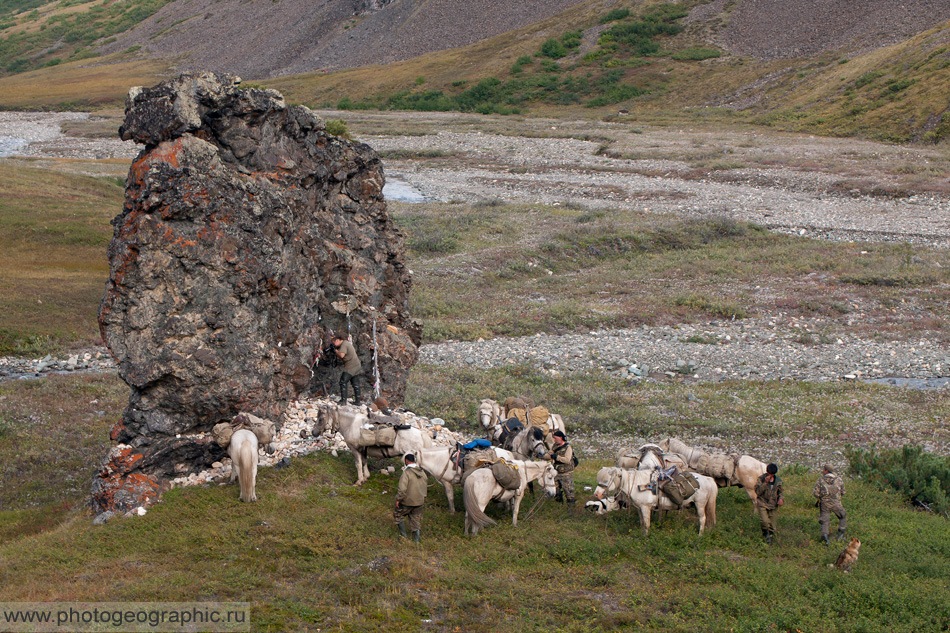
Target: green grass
pixel 315 553
pixel 70 34
pixel 54 230
pixel 572 269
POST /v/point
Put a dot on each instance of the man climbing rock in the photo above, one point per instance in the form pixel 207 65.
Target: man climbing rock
pixel 351 368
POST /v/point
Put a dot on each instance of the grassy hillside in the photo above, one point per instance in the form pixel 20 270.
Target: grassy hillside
pixel 591 61
pixel 63 30
pixel 884 94
pixel 54 230
pixel 315 553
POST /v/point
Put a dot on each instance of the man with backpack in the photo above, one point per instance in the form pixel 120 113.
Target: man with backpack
pixel 828 491
pixel 564 461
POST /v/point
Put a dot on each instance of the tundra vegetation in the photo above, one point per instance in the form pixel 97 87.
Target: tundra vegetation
pixel 306 551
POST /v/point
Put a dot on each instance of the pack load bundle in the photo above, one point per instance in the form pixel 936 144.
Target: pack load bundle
pixel 721 466
pixel 476 458
pixel 506 474
pixel 681 487
pixel 516 402
pixel 537 416
pixel 377 435
pixel 628 458
pixel 265 430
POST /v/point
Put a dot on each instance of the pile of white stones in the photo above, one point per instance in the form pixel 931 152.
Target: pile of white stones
pixel 296 438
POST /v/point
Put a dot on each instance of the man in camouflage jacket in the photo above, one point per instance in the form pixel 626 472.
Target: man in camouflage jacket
pixel 828 490
pixel 563 457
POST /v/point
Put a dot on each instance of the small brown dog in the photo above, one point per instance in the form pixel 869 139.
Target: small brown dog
pixel 848 557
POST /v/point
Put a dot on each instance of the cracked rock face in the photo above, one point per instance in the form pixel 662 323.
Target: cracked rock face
pixel 248 236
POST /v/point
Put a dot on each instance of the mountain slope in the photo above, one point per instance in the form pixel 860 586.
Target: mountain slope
pixel 262 38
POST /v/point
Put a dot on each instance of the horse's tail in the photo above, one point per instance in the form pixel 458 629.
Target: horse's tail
pixel 474 513
pixel 711 505
pixel 247 469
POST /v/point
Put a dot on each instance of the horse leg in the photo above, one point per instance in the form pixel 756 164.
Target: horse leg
pixel 449 495
pixel 516 504
pixel 645 519
pixel 701 512
pixel 358 461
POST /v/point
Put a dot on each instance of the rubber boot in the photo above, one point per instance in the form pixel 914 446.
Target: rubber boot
pixel 416 535
pixel 824 539
pixel 342 393
pixel 402 528
pixel 840 536
pixel 765 535
pixel 769 538
pixel 356 394
pixel 559 497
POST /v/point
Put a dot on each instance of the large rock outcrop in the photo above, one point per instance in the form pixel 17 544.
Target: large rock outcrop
pixel 249 235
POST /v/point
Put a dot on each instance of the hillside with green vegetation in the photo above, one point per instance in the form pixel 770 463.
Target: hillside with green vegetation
pixel 594 60
pixel 36 34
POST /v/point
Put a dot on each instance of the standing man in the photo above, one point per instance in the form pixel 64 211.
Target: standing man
pixel 563 457
pixel 351 368
pixel 410 498
pixel 828 490
pixel 769 500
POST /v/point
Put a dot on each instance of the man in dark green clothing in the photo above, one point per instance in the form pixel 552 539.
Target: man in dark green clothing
pixel 351 368
pixel 769 499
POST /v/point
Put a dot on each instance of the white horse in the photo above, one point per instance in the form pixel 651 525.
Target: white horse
pixel 490 416
pixel 438 462
pixel 480 487
pixel 347 421
pixel 243 453
pixel 747 469
pixel 637 490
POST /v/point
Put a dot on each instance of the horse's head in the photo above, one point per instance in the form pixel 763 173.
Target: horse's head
pixel 538 448
pixel 664 445
pixel 488 413
pixel 327 418
pixel 608 480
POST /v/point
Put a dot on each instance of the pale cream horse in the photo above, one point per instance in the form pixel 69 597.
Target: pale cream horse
pixel 438 462
pixel 747 469
pixel 491 417
pixel 480 487
pixel 637 489
pixel 348 420
pixel 244 458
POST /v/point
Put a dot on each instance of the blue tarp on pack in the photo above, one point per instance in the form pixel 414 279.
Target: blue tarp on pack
pixel 476 444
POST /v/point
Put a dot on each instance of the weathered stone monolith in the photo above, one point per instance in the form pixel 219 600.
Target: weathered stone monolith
pixel 248 235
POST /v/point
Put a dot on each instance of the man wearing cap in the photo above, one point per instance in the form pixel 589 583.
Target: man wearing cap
pixel 769 499
pixel 410 498
pixel 563 457
pixel 351 368
pixel 828 490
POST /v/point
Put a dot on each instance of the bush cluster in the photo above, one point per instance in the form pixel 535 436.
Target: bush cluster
pixel 922 477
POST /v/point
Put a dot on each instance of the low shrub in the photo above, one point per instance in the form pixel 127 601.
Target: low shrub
pixel 922 477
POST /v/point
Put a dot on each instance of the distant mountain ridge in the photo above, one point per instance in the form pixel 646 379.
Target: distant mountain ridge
pixel 263 38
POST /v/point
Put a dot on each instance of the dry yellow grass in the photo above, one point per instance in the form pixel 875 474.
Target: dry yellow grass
pixel 82 84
